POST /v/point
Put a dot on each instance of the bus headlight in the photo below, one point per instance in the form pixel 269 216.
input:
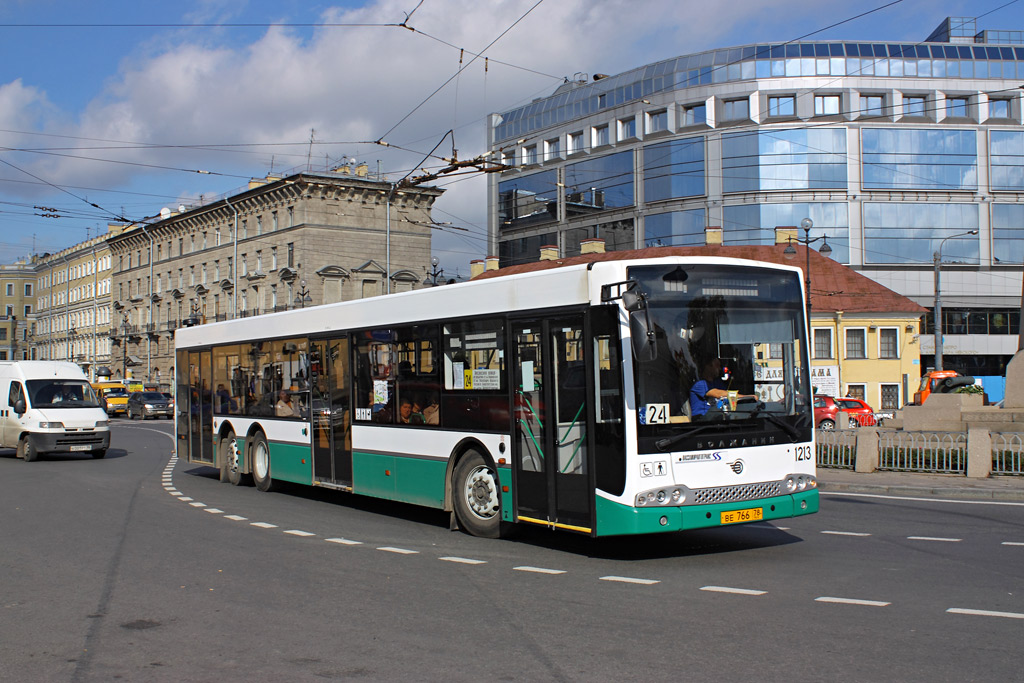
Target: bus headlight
pixel 800 482
pixel 673 495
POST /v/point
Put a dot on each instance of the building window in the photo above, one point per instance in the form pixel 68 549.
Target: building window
pixel 888 339
pixel 736 110
pixel 601 136
pixel 657 121
pixel 855 391
pixel 291 254
pixel 674 169
pixel 822 343
pixel 243 266
pixel 28 309
pixel 245 228
pixel 259 225
pixel 826 105
pixel 913 105
pixel 782 105
pixel 957 107
pixel 872 105
pixel 508 158
pixel 999 109
pixel 695 114
pixel 627 128
pixel 890 397
pixel 291 216
pixel 552 149
pixel 576 142
pixel 273 258
pixel 856 348
pixel 10 289
pixel 775 351
pixel 529 155
pixel 216 240
pixel 602 100
pixel 28 289
pixel 273 221
pixel 804 158
pixel 921 159
pixel 259 261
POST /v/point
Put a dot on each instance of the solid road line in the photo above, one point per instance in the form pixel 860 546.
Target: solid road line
pixel 985 613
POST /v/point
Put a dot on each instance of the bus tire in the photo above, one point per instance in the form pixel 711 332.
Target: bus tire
pixel 230 460
pixel 28 450
pixel 261 473
pixel 477 500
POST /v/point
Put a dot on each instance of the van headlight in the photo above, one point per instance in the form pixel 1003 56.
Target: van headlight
pixel 102 423
pixel 51 425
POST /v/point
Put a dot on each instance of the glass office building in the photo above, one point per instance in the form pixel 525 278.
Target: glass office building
pixel 893 150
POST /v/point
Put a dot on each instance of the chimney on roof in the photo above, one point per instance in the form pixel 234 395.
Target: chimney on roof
pixel 476 267
pixel 549 252
pixel 492 262
pixel 592 245
pixel 713 236
pixel 784 234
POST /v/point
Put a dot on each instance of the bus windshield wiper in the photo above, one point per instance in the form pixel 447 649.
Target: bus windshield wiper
pixel 791 431
pixel 664 444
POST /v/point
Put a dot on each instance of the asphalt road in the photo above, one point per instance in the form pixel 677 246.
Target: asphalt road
pixel 138 567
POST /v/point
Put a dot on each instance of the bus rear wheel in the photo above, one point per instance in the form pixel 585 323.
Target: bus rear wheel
pixel 261 464
pixel 477 501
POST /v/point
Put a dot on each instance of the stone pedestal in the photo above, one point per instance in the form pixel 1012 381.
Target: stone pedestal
pixel 941 412
pixel 1014 382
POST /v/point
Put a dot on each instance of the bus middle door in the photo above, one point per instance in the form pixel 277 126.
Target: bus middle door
pixel 552 458
pixel 330 416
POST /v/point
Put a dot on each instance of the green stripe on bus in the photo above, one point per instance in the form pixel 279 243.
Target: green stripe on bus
pixel 615 519
pixel 410 480
pixel 286 462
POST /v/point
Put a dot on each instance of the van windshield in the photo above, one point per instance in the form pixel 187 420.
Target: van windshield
pixel 61 393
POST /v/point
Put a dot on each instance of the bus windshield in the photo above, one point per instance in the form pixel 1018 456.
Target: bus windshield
pixel 61 393
pixel 727 353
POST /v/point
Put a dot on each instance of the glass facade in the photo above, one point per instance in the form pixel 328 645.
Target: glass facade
pixel 524 249
pixel 911 60
pixel 1008 233
pixel 1006 160
pixel 599 183
pixel 784 160
pixel 909 233
pixel 528 200
pixel 922 159
pixel 756 223
pixel 675 229
pixel 674 169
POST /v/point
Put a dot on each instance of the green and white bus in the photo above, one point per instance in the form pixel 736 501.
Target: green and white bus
pixel 566 396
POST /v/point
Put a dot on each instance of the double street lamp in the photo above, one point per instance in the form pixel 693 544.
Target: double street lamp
pixel 937 258
pixel 807 241
pixel 436 272
pixel 303 296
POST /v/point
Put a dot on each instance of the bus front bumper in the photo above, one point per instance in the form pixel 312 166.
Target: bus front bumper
pixel 615 519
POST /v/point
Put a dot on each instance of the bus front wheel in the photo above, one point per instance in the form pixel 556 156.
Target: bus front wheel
pixel 261 464
pixel 230 460
pixel 477 501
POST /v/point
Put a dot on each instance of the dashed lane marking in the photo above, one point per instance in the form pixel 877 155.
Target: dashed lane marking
pixel 985 613
pixel 461 560
pixel 629 579
pixel 398 551
pixel 263 525
pixel 934 538
pixel 176 493
pixel 538 570
pixel 185 499
pixel 845 533
pixel 236 518
pixel 1012 543
pixel 343 541
pixel 197 504
pixel 736 591
pixel 853 601
pixel 299 532
pixel 215 511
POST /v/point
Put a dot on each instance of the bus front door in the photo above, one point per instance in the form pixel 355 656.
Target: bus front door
pixel 552 458
pixel 331 418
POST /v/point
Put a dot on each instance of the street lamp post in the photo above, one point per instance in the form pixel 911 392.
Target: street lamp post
pixel 435 272
pixel 303 295
pixel 937 258
pixel 825 250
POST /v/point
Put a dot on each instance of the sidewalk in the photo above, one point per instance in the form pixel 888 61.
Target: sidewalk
pixel 913 484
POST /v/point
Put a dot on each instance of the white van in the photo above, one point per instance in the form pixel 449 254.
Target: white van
pixel 49 407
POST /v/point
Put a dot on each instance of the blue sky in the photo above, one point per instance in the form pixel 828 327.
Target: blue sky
pixel 80 98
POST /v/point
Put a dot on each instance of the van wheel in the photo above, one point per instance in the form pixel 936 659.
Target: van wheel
pixel 28 450
pixel 477 501
pixel 102 453
pixel 261 464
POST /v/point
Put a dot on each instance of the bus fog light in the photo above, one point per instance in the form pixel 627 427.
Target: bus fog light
pixel 676 495
pixel 661 496
pixel 790 484
pixel 663 521
pixel 803 504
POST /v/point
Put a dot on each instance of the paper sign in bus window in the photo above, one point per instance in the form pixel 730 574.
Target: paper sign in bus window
pixel 528 383
pixel 657 413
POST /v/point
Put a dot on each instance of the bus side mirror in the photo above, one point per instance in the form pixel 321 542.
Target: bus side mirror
pixel 19 406
pixel 632 300
pixel 642 336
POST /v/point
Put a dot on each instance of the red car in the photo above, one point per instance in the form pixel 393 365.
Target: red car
pixel 827 410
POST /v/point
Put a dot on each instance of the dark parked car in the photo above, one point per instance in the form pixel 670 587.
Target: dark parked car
pixel 143 404
pixel 827 412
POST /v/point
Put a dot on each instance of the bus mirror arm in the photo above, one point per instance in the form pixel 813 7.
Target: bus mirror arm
pixel 642 336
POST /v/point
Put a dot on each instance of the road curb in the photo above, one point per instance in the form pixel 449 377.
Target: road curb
pixel 955 492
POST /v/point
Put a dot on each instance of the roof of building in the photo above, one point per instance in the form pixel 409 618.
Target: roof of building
pixel 834 287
